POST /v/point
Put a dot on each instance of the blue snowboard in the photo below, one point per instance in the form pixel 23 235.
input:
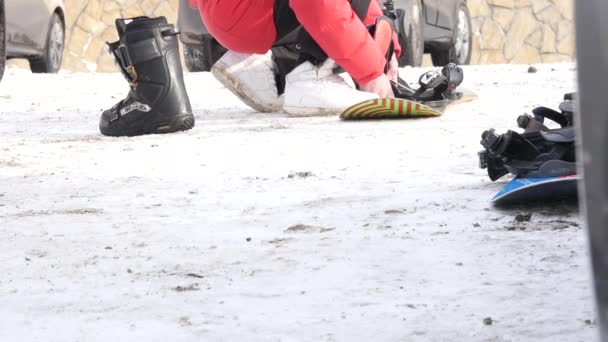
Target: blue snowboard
pixel 526 190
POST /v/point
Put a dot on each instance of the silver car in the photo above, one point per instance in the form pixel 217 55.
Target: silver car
pixel 35 30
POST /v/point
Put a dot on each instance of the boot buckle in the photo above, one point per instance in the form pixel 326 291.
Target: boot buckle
pixel 121 53
pixel 134 77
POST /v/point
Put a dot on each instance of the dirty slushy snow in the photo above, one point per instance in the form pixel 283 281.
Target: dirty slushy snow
pixel 261 227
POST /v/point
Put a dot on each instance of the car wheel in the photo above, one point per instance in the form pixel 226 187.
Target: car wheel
pixel 50 62
pixel 194 57
pixel 460 51
pixel 202 57
pixel 2 40
pixel 410 37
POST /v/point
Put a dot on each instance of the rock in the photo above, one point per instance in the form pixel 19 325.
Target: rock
pixel 304 174
pixel 133 11
pixel 149 6
pixel 94 50
pixel 109 6
pixel 191 287
pixel 503 17
pixel 548 40
pixel 523 217
pixel 566 8
pixel 564 30
pixel 94 8
pixel 532 70
pixel 566 45
pixel 539 5
pixel 550 16
pixel 164 9
pixel 75 63
pixel 79 39
pixel 535 39
pixel 523 25
pixel 521 3
pixel 91 25
pixel 73 9
pixel 493 37
pixel 502 3
pixel 109 17
pixel 109 34
pixel 105 63
pixel 475 48
pixel 527 54
pixel 492 57
pixel 478 8
pixel 555 58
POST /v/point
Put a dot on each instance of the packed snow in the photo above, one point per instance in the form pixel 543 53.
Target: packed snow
pixel 261 227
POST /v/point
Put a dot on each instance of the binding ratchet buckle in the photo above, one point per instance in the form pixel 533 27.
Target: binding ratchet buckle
pixel 123 59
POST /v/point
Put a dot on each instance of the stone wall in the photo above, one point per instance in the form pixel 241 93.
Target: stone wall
pixel 522 31
pixel 91 23
pixel 505 31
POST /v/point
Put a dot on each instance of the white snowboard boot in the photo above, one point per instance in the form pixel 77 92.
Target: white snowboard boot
pixel 315 90
pixel 251 78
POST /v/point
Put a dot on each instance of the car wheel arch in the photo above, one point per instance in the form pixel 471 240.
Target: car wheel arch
pixel 59 11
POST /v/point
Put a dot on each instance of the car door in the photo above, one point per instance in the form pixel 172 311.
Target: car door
pixel 447 14
pixel 430 11
pixel 27 24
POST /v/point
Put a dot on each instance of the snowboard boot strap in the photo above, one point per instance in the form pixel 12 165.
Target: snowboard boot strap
pixel 128 56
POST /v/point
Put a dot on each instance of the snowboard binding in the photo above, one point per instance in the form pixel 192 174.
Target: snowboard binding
pixel 435 88
pixel 537 152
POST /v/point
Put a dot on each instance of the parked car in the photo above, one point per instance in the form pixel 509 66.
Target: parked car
pixel 439 27
pixel 35 30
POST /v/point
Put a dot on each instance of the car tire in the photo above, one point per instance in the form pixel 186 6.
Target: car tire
pixel 202 57
pixel 2 40
pixel 194 58
pixel 411 38
pixel 50 61
pixel 460 51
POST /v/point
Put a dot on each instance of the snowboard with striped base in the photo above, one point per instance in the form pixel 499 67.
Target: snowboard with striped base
pixel 395 108
pixel 388 108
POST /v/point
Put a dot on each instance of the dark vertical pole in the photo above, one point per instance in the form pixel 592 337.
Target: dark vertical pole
pixel 2 39
pixel 592 136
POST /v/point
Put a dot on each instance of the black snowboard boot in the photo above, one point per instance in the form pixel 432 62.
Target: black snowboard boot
pixel 148 56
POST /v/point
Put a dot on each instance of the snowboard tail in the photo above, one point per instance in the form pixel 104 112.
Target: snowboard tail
pixel 526 190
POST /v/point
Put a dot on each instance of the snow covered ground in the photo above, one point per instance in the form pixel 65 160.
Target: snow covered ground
pixel 256 227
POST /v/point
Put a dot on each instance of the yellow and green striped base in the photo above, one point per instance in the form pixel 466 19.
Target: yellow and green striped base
pixel 386 109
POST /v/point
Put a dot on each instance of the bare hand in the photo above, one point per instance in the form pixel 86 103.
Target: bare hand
pixel 381 86
pixel 393 69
